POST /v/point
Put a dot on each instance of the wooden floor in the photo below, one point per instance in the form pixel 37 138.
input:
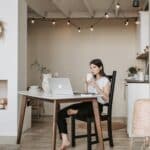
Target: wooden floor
pixel 39 138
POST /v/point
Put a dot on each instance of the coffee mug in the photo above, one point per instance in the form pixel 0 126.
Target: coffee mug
pixel 89 77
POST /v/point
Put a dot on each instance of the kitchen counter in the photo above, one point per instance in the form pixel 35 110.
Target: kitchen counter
pixel 135 81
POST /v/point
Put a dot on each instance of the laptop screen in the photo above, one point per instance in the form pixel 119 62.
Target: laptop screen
pixel 60 86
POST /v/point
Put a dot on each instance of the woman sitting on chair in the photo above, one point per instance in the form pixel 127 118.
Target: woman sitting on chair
pixel 99 84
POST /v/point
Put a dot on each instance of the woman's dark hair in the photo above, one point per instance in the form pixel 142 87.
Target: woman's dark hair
pixel 99 64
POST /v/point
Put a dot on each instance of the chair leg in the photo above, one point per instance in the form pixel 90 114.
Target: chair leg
pixel 89 145
pixel 109 123
pixel 73 143
pixel 96 132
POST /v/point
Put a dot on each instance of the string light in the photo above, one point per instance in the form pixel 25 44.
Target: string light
pixel 106 15
pixel 117 6
pixel 68 22
pixel 79 29
pixel 32 21
pixel 127 22
pixel 92 29
pixel 53 22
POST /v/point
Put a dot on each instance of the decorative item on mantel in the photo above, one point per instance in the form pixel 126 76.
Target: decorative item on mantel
pixel 45 75
pixel 3 103
pixel 1 29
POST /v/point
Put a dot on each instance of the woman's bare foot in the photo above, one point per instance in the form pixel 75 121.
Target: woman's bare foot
pixel 65 142
pixel 72 111
pixel 65 145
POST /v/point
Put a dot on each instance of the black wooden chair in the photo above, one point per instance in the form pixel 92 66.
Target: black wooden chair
pixel 104 117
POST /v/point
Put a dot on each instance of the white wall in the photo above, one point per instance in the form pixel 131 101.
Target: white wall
pixel 149 36
pixel 11 50
pixel 22 59
pixel 22 49
pixel 64 50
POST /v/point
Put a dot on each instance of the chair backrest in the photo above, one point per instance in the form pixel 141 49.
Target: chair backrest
pixel 112 79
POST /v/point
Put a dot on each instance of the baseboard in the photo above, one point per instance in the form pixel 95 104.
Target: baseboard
pixel 8 139
pixel 119 118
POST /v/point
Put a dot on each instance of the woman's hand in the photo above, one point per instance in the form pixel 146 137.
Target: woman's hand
pixel 93 83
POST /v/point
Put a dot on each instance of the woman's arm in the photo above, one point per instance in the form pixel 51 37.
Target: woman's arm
pixel 105 92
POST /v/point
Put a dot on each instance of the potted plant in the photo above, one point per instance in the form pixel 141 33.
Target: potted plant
pixel 132 71
pixel 45 73
pixel 39 67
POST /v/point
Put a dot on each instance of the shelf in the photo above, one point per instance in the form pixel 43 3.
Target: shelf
pixel 143 56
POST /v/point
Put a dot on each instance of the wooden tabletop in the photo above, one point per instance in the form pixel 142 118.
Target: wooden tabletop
pixel 42 95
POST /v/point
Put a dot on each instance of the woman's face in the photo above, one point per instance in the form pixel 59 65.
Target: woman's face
pixel 94 69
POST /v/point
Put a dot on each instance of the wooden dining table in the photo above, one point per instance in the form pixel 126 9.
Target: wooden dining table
pixel 57 100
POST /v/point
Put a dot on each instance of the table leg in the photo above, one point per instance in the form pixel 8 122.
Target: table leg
pixel 54 124
pixel 98 123
pixel 21 118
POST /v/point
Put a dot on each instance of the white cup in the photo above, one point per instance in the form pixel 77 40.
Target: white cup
pixel 141 76
pixel 89 77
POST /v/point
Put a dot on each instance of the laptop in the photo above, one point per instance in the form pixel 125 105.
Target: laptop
pixel 60 86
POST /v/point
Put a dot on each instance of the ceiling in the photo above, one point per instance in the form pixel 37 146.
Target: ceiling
pixel 83 8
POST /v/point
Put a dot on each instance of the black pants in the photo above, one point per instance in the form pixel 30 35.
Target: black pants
pixel 85 109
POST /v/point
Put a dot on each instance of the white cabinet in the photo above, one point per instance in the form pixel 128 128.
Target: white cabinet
pixel 143 30
pixel 135 91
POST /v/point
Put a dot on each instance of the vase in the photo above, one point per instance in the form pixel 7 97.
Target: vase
pixel 45 83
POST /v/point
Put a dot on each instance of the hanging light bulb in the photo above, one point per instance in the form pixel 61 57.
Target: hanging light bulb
pixel 32 21
pixel 117 5
pixel 127 22
pixel 53 22
pixel 91 28
pixel 137 22
pixel 106 15
pixel 68 22
pixel 79 29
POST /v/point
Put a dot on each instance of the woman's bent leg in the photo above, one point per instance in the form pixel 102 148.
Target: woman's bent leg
pixel 62 124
